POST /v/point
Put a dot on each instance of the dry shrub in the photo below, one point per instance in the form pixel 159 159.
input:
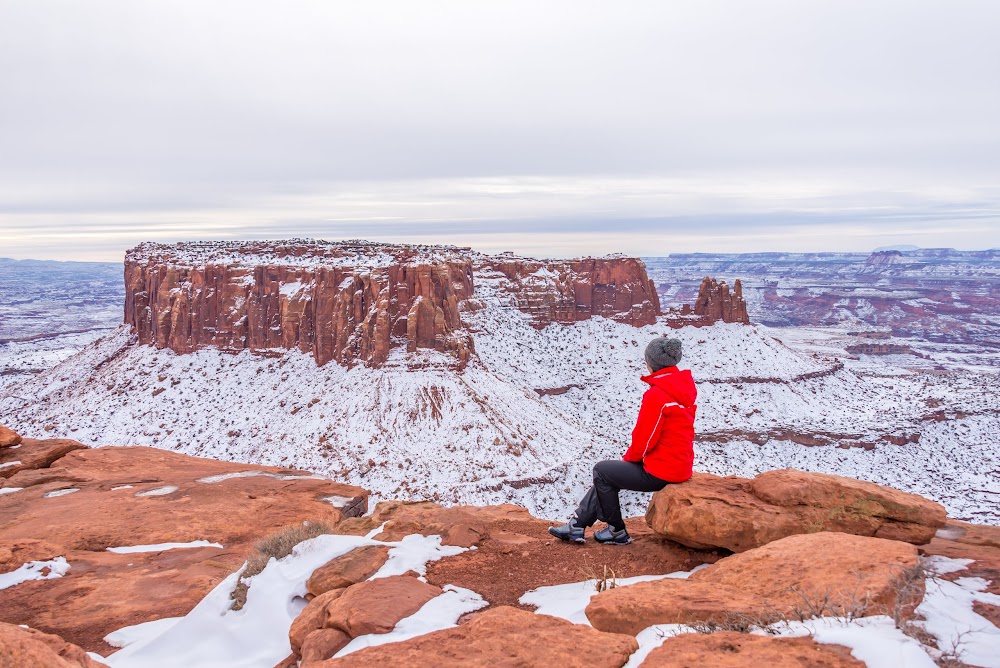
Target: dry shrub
pixel 278 545
pixel 604 577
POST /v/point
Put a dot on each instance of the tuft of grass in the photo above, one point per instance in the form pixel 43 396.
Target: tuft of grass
pixel 277 546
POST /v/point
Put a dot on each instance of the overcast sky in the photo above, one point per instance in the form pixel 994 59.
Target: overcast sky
pixel 550 128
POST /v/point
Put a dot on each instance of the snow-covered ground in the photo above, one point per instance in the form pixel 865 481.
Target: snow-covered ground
pixel 419 428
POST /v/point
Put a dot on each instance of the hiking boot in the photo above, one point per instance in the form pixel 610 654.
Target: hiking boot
pixel 569 532
pixel 612 537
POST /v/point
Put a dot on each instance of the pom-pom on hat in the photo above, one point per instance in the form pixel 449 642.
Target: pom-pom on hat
pixel 663 352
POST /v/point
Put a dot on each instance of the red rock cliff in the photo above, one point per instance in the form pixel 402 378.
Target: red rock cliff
pixel 568 291
pixel 349 302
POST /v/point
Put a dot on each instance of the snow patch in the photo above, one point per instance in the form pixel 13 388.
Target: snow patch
pixel 35 570
pixel 160 547
pixel 253 474
pixel 159 491
pixel 60 492
pixel 140 632
pixel 213 635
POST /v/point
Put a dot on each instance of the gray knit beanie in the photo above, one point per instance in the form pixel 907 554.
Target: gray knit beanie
pixel 663 352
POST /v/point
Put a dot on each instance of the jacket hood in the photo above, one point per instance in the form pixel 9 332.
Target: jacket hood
pixel 677 383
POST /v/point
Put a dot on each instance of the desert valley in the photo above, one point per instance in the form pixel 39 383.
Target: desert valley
pixel 311 453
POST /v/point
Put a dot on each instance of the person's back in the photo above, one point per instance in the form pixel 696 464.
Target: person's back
pixel 663 437
pixel 661 451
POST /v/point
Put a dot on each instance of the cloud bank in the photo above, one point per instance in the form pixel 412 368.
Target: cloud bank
pixel 550 128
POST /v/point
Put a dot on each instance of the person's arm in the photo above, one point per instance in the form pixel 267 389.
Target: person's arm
pixel 646 427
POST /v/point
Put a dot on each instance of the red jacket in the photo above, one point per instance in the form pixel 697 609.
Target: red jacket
pixel 663 438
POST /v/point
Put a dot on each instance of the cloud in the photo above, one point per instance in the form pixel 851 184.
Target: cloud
pixel 550 126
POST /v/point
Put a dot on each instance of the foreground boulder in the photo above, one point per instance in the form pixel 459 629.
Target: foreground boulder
pixel 34 454
pixel 800 576
pixel 8 437
pixel 92 499
pixel 726 649
pixel 740 514
pixel 356 566
pixel 28 648
pixel 333 619
pixel 500 637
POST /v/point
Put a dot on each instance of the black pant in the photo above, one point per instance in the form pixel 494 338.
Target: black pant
pixel 611 476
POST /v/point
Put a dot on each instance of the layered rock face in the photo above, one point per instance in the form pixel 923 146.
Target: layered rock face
pixel 568 291
pixel 352 302
pixel 347 302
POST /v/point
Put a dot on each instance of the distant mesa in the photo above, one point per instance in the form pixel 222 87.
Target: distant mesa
pixel 352 302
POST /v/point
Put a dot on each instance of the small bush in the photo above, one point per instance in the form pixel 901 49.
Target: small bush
pixel 278 545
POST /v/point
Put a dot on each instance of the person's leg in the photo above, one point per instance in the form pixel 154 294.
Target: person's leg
pixel 584 516
pixel 587 512
pixel 612 476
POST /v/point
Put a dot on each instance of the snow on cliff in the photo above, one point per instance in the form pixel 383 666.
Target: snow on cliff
pixel 529 415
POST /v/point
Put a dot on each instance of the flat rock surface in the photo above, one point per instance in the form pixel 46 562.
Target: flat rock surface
pixel 94 499
pixel 739 514
pixel 500 638
pixel 514 551
pixel 727 649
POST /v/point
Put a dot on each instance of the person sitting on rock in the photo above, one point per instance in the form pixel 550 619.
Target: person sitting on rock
pixel 661 452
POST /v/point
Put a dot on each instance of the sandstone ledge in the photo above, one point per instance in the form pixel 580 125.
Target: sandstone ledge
pixel 739 514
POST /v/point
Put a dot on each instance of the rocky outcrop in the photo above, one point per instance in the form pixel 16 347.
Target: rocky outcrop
pixel 89 500
pixel 8 437
pixel 740 514
pixel 34 454
pixel 826 573
pixel 501 637
pixel 349 302
pixel 727 649
pixel 716 303
pixel 27 648
pixel 356 566
pixel 333 619
pixel 568 291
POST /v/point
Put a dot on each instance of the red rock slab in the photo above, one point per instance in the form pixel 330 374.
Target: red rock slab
pixel 8 437
pixel 636 607
pixel 739 514
pixel 104 591
pixel 29 648
pixel 141 496
pixel 374 606
pixel 500 638
pixel 356 566
pixel 727 649
pixel 822 573
pixel 34 454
